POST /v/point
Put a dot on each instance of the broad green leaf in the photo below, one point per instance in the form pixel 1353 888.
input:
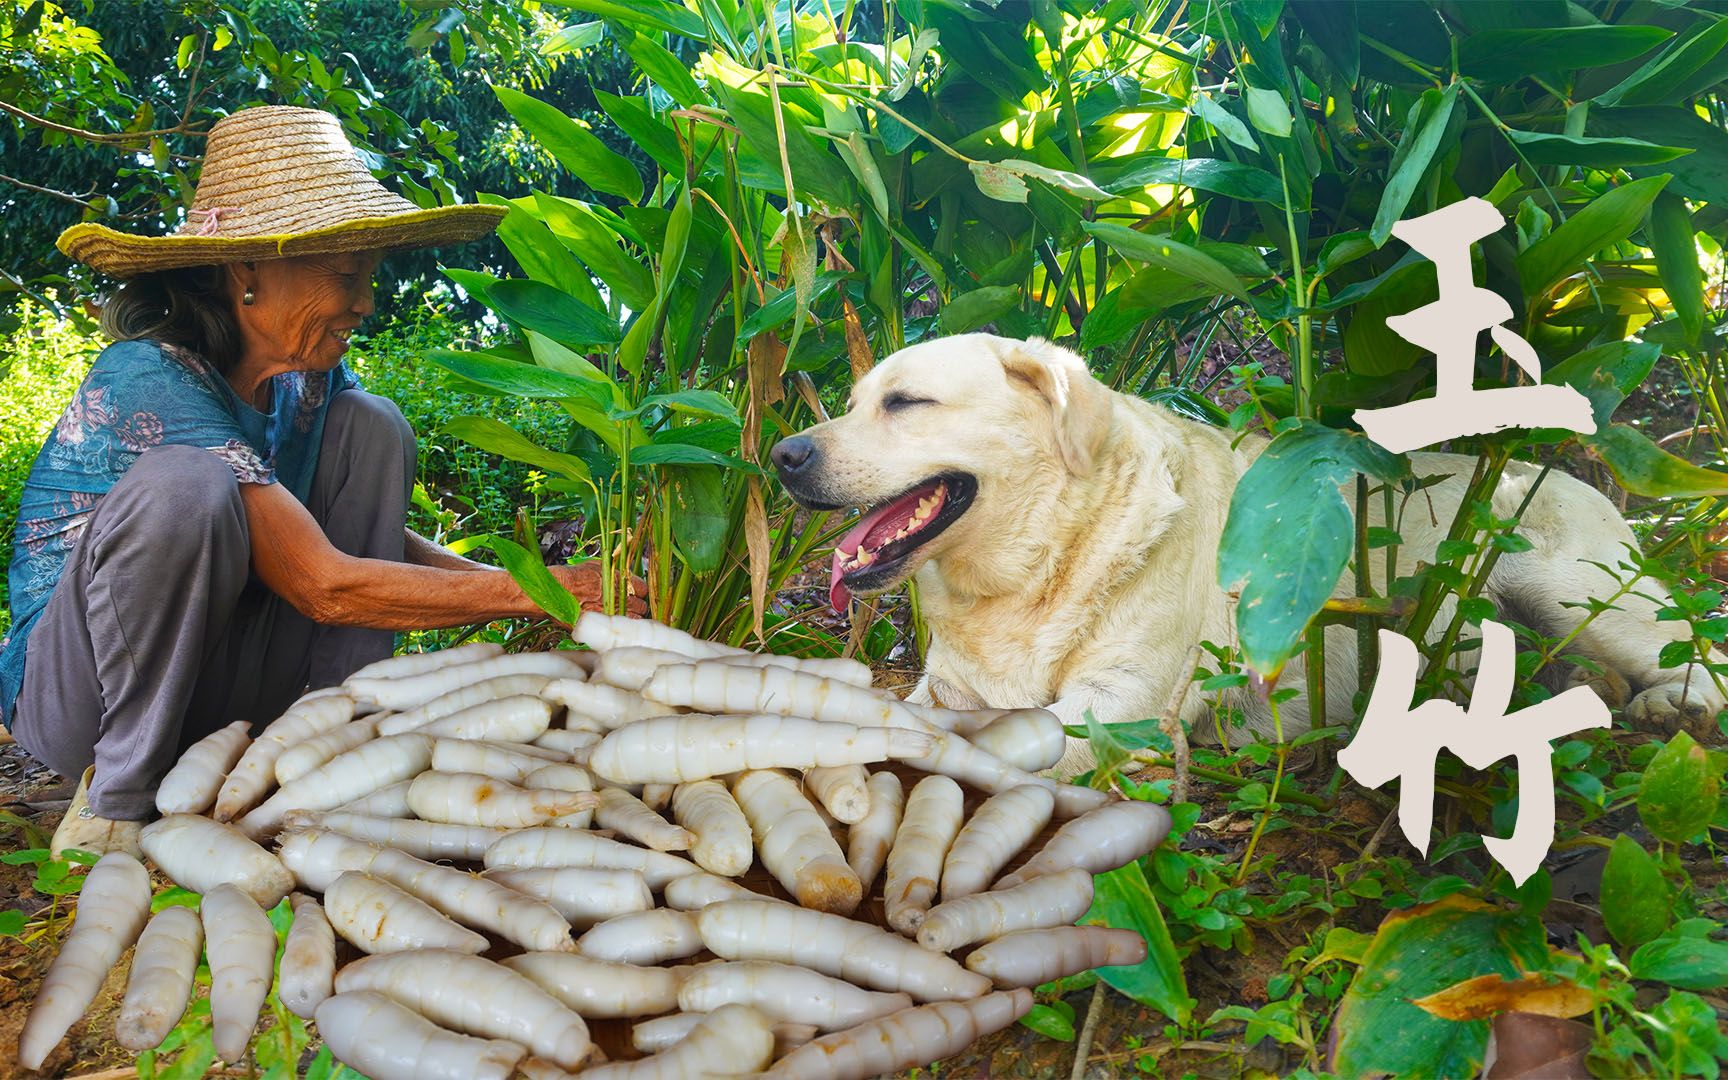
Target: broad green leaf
pixel 643 14
pixel 672 252
pixel 497 437
pixel 1052 1021
pixel 1071 182
pixel 1622 365
pixel 473 282
pixel 542 256
pixel 815 171
pixel 1267 111
pixel 1691 963
pixel 700 515
pixel 573 38
pixel 549 354
pixel 1206 174
pixel 692 402
pixel 1122 899
pixel 1702 174
pixel 1342 249
pixel 667 71
pixel 1608 219
pixel 1332 26
pixel 1643 468
pixel 633 350
pixel 998 183
pixel 1669 231
pixel 518 379
pixel 11 923
pixel 581 153
pixel 1668 75
pixel 1634 897
pixel 1417 952
pixel 645 128
pixel 1169 254
pixel 549 310
pixel 1503 55
pixel 1289 532
pixel 782 304
pixel 1548 148
pixel 678 453
pixel 855 151
pixel 591 239
pixel 720 436
pixel 529 572
pixel 1678 791
pixel 1423 130
pixel 1224 122
pixel 969 311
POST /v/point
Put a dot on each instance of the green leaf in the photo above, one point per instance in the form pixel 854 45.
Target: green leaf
pixel 782 304
pixel 1643 468
pixel 1634 897
pixel 1170 254
pixel 573 38
pixel 497 437
pixel 548 310
pixel 998 183
pixel 1267 111
pixel 1548 148
pixel 969 311
pixel 549 354
pixel 519 379
pixel 1417 952
pixel 1122 899
pixel 694 402
pixel 1205 174
pixel 1678 792
pixel 1052 1021
pixel 644 14
pixel 1691 963
pixel 1670 234
pixel 183 55
pixel 668 72
pixel 700 518
pixel 581 153
pixel 1504 55
pixel 644 128
pixel 1423 130
pixel 530 573
pixel 815 171
pixel 1702 174
pixel 1608 219
pixel 11 923
pixel 1071 182
pixel 595 242
pixel 1224 122
pixel 1289 532
pixel 540 254
pixel 1665 79
pixel 679 453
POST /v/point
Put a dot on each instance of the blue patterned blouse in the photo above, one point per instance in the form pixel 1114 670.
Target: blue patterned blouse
pixel 141 394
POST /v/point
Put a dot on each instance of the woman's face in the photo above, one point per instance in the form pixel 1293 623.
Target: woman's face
pixel 304 308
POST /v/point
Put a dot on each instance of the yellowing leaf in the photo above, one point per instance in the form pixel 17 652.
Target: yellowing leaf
pixel 1486 995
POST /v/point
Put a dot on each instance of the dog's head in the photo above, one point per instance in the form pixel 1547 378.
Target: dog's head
pixel 946 445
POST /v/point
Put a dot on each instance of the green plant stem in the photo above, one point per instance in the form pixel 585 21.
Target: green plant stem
pixel 1283 752
pixel 1297 798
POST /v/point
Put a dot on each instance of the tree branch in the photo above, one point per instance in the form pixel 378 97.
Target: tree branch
pixel 76 200
pixel 106 138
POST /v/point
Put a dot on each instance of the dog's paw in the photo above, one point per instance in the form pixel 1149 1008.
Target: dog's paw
pixel 1677 706
pixel 1610 685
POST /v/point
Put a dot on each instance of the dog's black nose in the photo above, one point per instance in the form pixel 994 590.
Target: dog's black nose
pixel 792 454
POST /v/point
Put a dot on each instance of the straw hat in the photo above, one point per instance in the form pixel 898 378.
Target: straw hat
pixel 279 181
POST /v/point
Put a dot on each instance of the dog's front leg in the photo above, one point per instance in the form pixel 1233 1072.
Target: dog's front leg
pixel 1108 704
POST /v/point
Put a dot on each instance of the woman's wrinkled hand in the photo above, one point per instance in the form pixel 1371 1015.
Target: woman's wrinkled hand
pixel 585 584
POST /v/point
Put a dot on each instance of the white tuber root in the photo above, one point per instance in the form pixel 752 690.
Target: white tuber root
pixel 598 989
pixel 582 895
pixel 412 690
pixel 1035 957
pixel 934 811
pixel 474 996
pixel 344 778
pixel 572 847
pixel 868 841
pixel 255 773
pixel 733 1041
pixel 308 754
pixel 714 687
pixel 603 706
pixel 316 856
pixel 834 945
pixel 389 801
pixel 643 937
pixel 160 984
pixel 192 785
pixel 1111 836
pixel 511 763
pixel 795 844
pixel 396 667
pixel 664 1032
pixel 1030 739
pixel 475 901
pixel 477 799
pixel 721 833
pixel 693 892
pixel 842 790
pixel 376 917
pixel 200 854
pixel 673 749
pixel 903 1040
pixel 1052 900
pixel 463 697
pixel 387 1041
pixel 630 817
pixel 421 839
pixel 308 959
pixel 241 945
pixel 998 830
pixel 784 992
pixel 521 718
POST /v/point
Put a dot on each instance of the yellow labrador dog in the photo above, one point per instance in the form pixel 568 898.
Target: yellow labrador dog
pixel 1065 541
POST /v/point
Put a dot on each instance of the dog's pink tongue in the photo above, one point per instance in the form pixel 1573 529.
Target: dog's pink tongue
pixel 838 594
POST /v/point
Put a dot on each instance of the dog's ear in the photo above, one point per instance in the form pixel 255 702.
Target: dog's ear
pixel 1079 405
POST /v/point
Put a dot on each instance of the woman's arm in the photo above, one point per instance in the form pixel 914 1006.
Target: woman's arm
pixel 294 559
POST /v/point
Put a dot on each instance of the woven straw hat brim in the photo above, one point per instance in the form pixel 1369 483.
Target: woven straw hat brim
pixel 124 255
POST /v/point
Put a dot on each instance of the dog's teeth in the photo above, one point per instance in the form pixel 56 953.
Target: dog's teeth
pixel 865 558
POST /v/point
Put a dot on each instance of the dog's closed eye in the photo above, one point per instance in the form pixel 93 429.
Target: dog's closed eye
pixel 897 401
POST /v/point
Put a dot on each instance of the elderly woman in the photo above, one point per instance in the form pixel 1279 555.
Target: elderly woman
pixel 218 521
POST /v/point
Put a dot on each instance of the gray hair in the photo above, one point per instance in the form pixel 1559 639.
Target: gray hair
pixel 189 307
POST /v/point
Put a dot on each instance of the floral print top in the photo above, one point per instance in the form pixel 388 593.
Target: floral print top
pixel 141 394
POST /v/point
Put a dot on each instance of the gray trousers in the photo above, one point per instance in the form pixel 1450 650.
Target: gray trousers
pixel 157 634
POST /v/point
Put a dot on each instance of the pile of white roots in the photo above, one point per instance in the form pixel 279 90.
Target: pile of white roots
pixel 485 851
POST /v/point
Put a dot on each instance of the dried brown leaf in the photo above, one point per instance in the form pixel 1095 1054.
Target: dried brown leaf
pixel 1487 995
pixel 756 541
pixel 1525 1046
pixel 857 344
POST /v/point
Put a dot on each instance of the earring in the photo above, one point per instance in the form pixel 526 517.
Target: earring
pixel 247 298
